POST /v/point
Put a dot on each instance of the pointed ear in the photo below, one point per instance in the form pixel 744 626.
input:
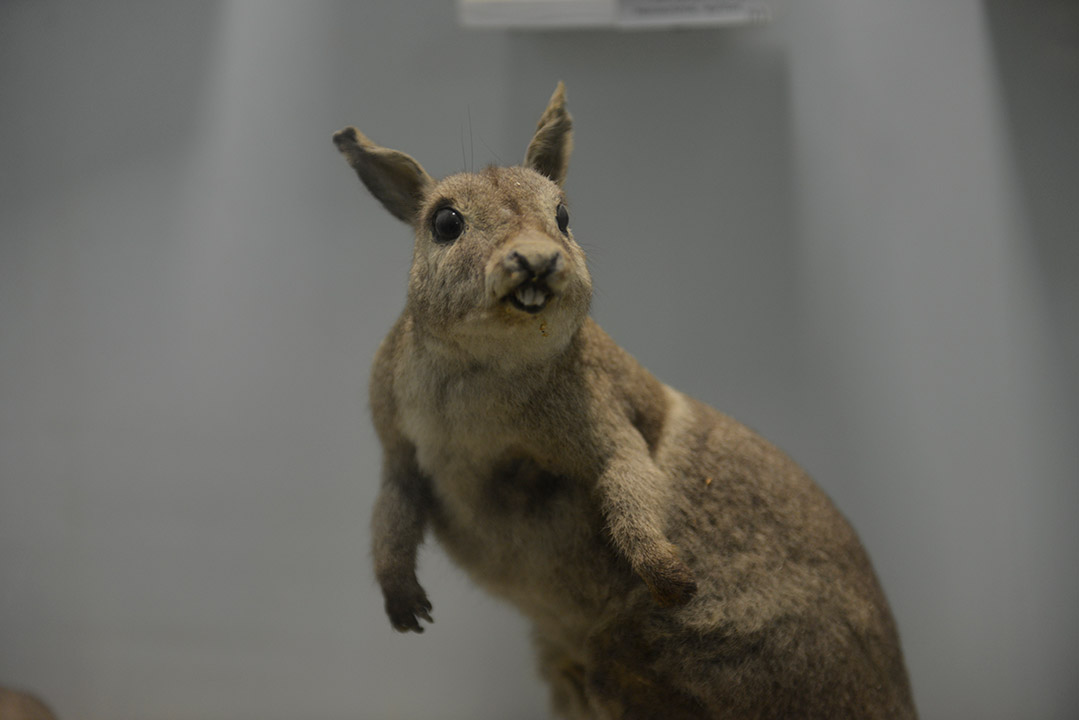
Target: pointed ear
pixel 395 179
pixel 548 153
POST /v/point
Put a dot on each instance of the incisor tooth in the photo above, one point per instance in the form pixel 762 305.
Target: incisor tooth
pixel 530 296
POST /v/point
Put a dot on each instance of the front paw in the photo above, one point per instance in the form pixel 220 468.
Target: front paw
pixel 406 606
pixel 671 582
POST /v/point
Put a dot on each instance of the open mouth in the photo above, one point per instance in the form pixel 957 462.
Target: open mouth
pixel 531 296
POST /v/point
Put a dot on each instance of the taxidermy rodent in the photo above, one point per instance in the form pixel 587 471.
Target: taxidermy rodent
pixel 673 563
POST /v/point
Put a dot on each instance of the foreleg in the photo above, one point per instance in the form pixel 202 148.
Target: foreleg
pixel 398 526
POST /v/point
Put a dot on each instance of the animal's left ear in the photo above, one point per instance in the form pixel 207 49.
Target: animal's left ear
pixel 548 153
pixel 395 179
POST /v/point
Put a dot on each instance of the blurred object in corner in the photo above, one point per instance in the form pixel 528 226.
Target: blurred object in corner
pixel 16 705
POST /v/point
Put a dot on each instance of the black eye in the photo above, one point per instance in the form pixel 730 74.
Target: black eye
pixel 562 215
pixel 447 225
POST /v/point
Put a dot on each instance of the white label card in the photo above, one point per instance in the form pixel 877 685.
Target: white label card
pixel 645 13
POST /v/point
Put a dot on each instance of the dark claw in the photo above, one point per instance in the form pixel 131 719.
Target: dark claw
pixel 405 609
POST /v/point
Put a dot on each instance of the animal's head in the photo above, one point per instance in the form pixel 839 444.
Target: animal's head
pixel 495 269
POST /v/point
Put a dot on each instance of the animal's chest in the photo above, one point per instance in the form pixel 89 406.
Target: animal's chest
pixel 507 509
pixel 461 429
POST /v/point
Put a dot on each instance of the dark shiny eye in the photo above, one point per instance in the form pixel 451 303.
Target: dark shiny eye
pixel 562 215
pixel 447 225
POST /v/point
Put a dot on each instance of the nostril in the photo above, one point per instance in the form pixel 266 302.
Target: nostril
pixel 520 261
pixel 553 264
pixel 547 264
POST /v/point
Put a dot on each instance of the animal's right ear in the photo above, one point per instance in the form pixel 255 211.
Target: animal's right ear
pixel 395 179
pixel 548 153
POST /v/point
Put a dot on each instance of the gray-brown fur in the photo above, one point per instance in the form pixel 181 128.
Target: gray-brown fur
pixel 673 563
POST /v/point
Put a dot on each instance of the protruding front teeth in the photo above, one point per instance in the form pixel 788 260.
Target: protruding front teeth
pixel 530 295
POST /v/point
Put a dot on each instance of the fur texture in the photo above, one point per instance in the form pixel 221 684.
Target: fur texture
pixel 673 563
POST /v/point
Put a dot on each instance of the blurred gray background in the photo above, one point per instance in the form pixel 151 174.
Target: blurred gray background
pixel 855 229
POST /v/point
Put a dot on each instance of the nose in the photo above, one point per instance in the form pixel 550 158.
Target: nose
pixel 536 262
pixel 529 260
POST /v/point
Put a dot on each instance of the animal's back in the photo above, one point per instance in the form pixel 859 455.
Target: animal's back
pixel 789 620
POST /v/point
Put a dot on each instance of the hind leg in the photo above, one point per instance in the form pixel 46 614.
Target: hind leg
pixel 613 680
pixel 566 678
pixel 621 681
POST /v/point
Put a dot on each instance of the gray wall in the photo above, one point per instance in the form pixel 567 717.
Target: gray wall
pixel 854 229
